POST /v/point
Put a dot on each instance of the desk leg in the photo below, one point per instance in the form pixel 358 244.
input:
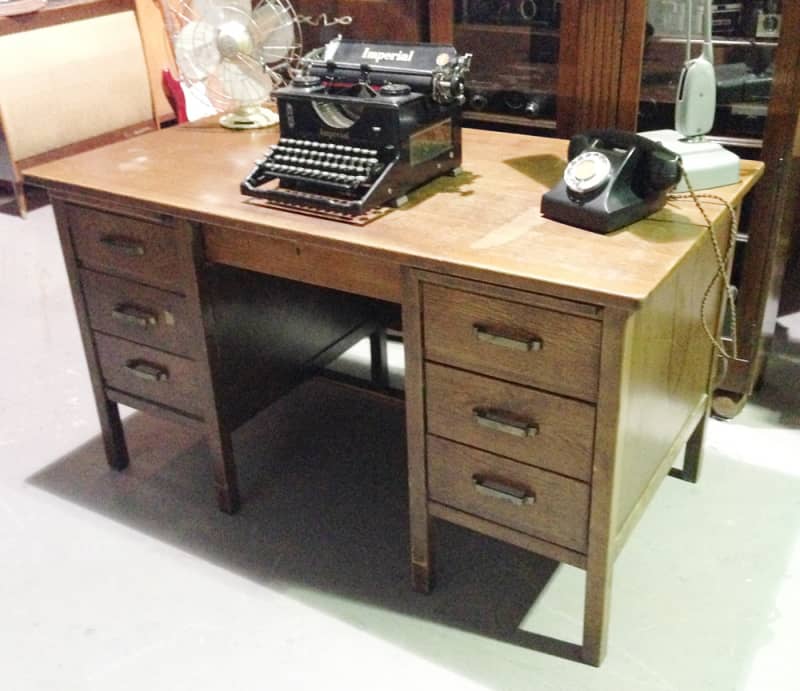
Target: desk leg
pixel 617 336
pixel 419 519
pixel 379 365
pixel 693 456
pixel 595 611
pixel 113 434
pixel 221 447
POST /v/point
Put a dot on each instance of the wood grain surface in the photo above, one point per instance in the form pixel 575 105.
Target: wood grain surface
pixel 482 224
pixel 565 428
pixel 568 358
pixel 557 513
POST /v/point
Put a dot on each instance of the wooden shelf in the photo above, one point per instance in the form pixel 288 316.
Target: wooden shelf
pixel 503 119
pixel 61 11
pixel 520 29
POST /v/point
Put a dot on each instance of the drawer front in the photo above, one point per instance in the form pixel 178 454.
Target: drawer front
pixel 139 313
pixel 509 340
pixel 532 501
pixel 530 426
pixel 132 247
pixel 143 372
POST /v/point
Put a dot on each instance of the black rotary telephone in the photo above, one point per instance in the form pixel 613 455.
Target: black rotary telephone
pixel 613 178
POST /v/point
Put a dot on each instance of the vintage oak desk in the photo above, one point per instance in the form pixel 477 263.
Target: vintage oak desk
pixel 552 375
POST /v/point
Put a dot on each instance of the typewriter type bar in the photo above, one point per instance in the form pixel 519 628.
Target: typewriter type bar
pixel 348 146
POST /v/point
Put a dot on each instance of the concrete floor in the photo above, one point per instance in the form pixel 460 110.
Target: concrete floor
pixel 135 581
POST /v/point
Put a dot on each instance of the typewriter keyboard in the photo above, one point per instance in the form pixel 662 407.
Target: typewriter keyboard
pixel 332 165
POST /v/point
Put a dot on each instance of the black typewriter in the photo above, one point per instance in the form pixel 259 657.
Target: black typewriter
pixel 364 124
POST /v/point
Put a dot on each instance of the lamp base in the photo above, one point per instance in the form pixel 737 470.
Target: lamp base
pixel 705 163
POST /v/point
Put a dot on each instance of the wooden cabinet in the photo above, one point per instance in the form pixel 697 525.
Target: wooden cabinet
pixel 555 66
pixel 757 55
pixel 377 20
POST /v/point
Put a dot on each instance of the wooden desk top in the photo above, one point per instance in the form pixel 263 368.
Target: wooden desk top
pixel 485 222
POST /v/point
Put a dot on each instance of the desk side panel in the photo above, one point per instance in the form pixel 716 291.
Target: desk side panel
pixel 665 396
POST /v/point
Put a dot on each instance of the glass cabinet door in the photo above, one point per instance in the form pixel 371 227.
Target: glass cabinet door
pixel 515 47
pixel 745 34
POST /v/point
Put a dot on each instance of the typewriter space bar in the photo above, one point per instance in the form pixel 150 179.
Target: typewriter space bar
pixel 299 198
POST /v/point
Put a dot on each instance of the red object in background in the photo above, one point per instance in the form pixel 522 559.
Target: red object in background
pixel 175 96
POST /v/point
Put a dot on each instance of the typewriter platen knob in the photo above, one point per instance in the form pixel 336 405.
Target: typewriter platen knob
pixel 306 81
pixel 389 89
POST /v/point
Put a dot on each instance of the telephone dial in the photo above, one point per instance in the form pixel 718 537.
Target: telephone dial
pixel 612 178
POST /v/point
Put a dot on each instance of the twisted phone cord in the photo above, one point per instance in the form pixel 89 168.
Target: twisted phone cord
pixel 721 272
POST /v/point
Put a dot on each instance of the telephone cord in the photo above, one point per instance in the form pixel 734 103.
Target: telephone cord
pixel 723 261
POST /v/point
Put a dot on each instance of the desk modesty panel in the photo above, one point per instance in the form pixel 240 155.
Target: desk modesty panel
pixel 553 375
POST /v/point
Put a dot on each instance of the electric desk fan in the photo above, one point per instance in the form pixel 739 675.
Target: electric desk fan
pixel 239 50
pixel 705 163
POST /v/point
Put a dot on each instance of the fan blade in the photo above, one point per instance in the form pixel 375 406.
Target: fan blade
pixel 207 11
pixel 241 83
pixel 196 50
pixel 217 12
pixel 276 36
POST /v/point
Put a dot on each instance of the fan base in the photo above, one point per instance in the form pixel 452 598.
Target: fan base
pixel 249 118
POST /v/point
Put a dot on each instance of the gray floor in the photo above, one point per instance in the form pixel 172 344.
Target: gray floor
pixel 134 581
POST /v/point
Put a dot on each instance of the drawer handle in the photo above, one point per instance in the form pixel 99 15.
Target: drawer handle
pixel 501 421
pixel 122 245
pixel 145 370
pixel 134 316
pixel 528 345
pixel 497 489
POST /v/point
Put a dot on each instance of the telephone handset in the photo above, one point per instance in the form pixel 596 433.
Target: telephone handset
pixel 612 178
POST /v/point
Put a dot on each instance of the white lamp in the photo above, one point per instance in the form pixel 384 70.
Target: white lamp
pixel 706 163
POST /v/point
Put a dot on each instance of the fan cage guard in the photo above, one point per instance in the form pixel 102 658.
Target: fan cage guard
pixel 230 54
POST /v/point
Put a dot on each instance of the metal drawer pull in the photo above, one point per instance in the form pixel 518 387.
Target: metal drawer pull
pixel 145 370
pixel 501 421
pixel 484 335
pixel 123 245
pixel 135 316
pixel 500 490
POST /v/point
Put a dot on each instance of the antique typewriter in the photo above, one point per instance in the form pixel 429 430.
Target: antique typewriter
pixel 362 125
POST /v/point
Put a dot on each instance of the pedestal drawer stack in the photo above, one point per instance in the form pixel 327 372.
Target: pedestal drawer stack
pixel 510 387
pixel 135 274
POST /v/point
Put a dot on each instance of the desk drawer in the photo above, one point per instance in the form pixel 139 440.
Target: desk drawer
pixel 536 428
pixel 532 501
pixel 509 340
pixel 132 247
pixel 139 313
pixel 151 374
